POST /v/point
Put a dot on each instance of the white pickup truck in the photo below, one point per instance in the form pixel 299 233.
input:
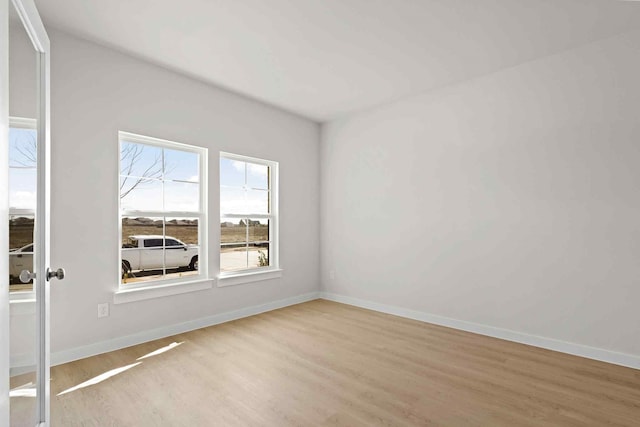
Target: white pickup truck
pixel 145 252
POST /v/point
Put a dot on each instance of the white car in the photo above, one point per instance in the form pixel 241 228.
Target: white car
pixel 145 252
pixel 20 259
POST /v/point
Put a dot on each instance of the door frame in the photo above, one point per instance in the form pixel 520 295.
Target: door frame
pixel 4 214
pixel 28 13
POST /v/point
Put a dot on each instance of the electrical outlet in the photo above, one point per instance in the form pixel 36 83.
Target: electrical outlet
pixel 103 310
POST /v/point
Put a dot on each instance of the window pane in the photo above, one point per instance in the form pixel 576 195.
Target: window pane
pixel 233 259
pixel 141 226
pixel 140 160
pixel 183 229
pixel 258 230
pixel 22 148
pixel 21 235
pixel 140 194
pixel 181 165
pixel 232 173
pixel 257 176
pixel 139 261
pixel 181 196
pixel 182 249
pixel 258 255
pixel 233 231
pixel 233 201
pixel 22 168
pixel 22 188
pixel 233 247
pixel 257 202
pixel 153 242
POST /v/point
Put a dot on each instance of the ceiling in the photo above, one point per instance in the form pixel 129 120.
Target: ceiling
pixel 323 59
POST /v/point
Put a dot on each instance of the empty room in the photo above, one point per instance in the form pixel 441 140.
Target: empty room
pixel 320 213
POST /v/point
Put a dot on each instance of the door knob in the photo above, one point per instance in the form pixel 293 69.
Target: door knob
pixel 26 276
pixel 58 274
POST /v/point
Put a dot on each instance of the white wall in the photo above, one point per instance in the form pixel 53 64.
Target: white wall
pixel 510 200
pixel 22 72
pixel 95 93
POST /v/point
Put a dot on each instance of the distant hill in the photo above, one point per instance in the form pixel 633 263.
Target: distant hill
pixel 141 222
pixel 21 221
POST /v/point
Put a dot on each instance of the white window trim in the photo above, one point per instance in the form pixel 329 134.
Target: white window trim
pixel 122 296
pixel 23 123
pixel 164 287
pixel 22 296
pixel 250 275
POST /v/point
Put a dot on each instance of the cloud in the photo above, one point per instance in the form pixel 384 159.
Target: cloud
pixel 238 165
pixel 252 168
pixel 22 199
pixel 178 196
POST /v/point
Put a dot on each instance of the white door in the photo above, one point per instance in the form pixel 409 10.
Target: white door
pixel 24 306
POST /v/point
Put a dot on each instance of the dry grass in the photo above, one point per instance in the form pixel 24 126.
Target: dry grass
pixel 239 234
pixel 20 235
pixel 186 233
pixel 189 233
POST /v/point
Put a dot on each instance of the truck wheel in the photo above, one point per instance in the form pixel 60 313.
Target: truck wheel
pixel 126 267
pixel 194 263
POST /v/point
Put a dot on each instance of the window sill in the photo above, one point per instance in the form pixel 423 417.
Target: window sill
pixel 123 296
pixel 21 296
pixel 240 278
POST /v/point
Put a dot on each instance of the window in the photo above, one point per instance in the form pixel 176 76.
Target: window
pixel 22 200
pixel 152 243
pixel 248 215
pixel 162 211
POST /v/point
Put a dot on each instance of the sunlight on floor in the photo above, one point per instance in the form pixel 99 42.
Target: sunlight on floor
pixel 100 378
pixel 25 390
pixel 160 350
pixel 108 374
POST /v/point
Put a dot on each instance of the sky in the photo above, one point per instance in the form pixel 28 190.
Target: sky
pixel 174 187
pixel 22 168
pixel 243 186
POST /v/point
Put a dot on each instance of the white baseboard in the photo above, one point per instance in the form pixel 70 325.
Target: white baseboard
pixel 20 363
pixel 603 355
pixel 70 355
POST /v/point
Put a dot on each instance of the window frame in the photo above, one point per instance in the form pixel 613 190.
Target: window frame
pixel 246 275
pixel 128 291
pixel 32 124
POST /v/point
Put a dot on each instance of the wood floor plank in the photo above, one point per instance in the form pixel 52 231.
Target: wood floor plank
pixel 327 364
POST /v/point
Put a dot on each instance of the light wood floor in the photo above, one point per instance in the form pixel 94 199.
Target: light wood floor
pixel 321 363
